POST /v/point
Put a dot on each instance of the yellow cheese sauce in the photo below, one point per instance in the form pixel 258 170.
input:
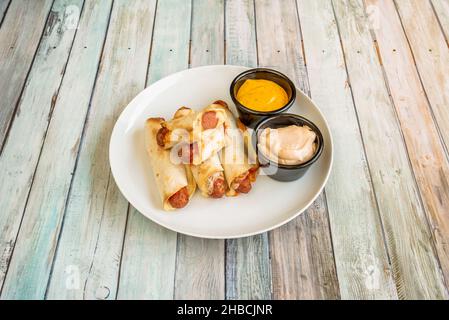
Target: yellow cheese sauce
pixel 262 95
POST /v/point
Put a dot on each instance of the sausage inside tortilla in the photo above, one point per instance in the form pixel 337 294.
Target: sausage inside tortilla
pixel 240 170
pixel 174 180
pixel 210 177
pixel 203 130
pixel 177 130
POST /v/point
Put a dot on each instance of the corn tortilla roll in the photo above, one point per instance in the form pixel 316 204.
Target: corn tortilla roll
pixel 174 181
pixel 239 172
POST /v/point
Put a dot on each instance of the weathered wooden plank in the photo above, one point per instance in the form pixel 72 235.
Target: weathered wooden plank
pixel 22 148
pixel 96 211
pixel 441 8
pixel 30 265
pixel 425 149
pixel 3 9
pixel 200 268
pixel 151 250
pixel 431 55
pixel 301 252
pixel 19 38
pixel 171 40
pixel 149 254
pixel 359 249
pixel 240 33
pixel 415 269
pixel 248 272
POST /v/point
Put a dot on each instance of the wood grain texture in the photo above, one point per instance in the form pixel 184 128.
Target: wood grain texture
pixel 384 89
pixel 414 266
pixel 19 37
pixel 3 9
pixel 149 253
pixel 96 211
pixel 425 149
pixel 431 55
pixel 359 249
pixel 30 265
pixel 248 269
pixel 240 33
pixel 200 267
pixel 441 8
pixel 301 252
pixel 22 148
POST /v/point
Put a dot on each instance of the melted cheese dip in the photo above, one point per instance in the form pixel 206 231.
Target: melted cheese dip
pixel 290 145
pixel 262 95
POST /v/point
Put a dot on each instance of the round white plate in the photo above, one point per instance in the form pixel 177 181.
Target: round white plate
pixel 270 203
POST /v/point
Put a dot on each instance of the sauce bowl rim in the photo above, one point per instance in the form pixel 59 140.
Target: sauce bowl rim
pixel 263 113
pixel 313 126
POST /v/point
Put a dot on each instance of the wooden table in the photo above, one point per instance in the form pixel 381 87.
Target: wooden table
pixel 378 69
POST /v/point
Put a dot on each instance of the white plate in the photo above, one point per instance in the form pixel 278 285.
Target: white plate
pixel 270 204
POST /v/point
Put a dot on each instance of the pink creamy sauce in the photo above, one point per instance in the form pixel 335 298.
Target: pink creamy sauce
pixel 290 145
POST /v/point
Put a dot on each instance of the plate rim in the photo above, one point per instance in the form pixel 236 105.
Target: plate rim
pixel 198 235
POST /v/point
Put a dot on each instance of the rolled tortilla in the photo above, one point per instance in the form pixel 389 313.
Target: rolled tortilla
pixel 174 181
pixel 212 140
pixel 177 130
pixel 250 151
pixel 202 131
pixel 209 177
pixel 239 171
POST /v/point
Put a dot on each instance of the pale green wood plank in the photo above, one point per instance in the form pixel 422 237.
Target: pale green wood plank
pixel 240 33
pixel 21 151
pixel 207 33
pixel 200 265
pixel 30 265
pixel 301 252
pixel 171 40
pixel 19 38
pixel 248 272
pixel 3 9
pixel 96 211
pixel 415 270
pixel 441 8
pixel 149 254
pixel 361 259
pixel 424 146
pixel 148 262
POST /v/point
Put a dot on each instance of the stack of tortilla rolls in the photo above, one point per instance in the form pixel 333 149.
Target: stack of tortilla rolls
pixel 207 148
pixel 238 158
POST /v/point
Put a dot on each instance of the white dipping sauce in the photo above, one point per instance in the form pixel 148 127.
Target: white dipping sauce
pixel 290 145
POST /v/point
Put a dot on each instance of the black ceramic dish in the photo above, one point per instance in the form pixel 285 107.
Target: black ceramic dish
pixel 282 172
pixel 251 117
